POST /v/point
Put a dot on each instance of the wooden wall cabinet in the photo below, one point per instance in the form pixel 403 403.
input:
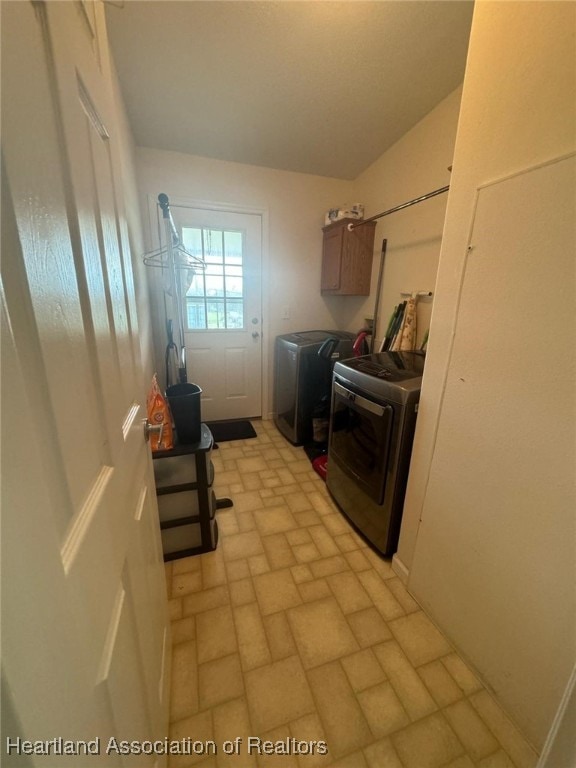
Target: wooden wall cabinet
pixel 347 258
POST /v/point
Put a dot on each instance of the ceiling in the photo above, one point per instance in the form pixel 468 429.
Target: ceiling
pixel 313 86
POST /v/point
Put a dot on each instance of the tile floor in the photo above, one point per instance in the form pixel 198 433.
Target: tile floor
pixel 294 629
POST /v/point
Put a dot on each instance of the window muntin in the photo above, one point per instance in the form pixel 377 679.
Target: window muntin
pixel 215 297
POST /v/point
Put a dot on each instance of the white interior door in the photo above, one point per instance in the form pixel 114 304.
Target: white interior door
pixel 84 626
pixel 223 310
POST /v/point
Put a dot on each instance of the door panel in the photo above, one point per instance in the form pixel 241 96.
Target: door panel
pixel 49 285
pixel 84 609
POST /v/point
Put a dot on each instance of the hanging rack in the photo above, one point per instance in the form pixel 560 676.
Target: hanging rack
pixel 420 199
pixel 160 257
pixel 173 257
pixel 416 293
pixel 185 260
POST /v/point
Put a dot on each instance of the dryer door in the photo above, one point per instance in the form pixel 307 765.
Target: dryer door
pixel 360 431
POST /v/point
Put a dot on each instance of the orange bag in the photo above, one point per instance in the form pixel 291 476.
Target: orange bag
pixel 159 414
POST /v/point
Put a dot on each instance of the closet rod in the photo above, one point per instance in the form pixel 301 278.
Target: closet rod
pixel 352 226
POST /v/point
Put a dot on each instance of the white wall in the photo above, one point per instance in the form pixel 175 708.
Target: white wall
pixel 295 204
pixel 417 164
pixel 488 531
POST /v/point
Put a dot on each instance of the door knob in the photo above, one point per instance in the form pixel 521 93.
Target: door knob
pixel 255 334
pixel 152 429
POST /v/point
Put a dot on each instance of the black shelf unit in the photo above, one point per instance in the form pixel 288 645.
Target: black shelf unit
pixel 187 504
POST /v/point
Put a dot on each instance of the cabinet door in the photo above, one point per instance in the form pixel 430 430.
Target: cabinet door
pixel 347 259
pixel 332 259
pixel 356 262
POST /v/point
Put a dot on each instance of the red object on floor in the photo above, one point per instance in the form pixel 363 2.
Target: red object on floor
pixel 319 466
pixel 360 346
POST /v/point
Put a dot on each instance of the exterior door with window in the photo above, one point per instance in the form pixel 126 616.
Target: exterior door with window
pixel 223 314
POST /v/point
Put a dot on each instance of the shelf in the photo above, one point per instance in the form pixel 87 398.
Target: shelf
pixel 185 449
pixel 186 502
pixel 188 539
pixel 176 507
pixel 162 490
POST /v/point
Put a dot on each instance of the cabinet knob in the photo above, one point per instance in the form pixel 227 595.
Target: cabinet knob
pixel 255 334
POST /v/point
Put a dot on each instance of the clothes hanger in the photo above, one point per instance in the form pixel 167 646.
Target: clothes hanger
pixel 173 254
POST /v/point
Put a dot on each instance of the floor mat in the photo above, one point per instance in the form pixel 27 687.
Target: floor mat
pixel 222 431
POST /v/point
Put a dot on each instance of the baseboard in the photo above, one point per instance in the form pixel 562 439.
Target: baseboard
pixel 400 569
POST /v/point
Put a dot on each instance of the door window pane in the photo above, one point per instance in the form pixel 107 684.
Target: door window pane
pixel 234 314
pixel 233 247
pixel 196 314
pixel 213 246
pixel 214 281
pixel 215 314
pixel 192 240
pixel 214 299
pixel 234 282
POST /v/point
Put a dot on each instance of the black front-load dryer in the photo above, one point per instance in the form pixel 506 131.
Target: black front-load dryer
pixel 373 417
